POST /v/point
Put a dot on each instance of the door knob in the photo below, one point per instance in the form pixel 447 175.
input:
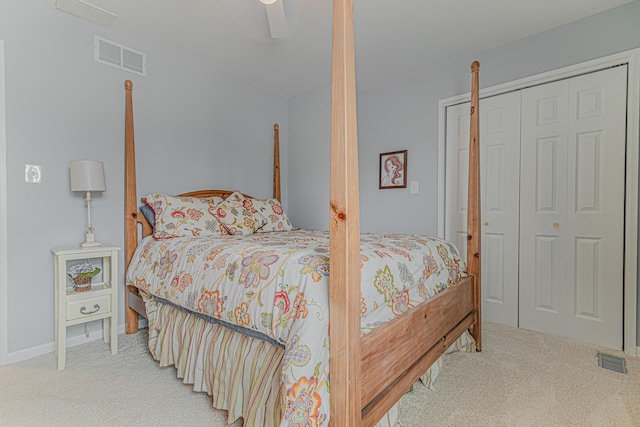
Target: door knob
pixel 486 223
pixel 556 225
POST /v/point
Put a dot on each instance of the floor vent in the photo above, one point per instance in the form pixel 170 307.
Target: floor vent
pixel 116 55
pixel 612 363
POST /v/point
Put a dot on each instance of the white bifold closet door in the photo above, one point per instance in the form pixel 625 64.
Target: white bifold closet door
pixel 572 207
pixel 500 172
pixel 552 171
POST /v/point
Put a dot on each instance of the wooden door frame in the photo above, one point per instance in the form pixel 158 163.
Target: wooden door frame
pixel 632 59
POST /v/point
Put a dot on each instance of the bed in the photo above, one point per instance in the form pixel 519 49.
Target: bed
pixel 373 360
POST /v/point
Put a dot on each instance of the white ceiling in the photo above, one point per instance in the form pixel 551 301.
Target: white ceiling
pixel 392 36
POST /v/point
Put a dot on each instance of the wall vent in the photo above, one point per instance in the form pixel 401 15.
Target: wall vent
pixel 87 11
pixel 116 55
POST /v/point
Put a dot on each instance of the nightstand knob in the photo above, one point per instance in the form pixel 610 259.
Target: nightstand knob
pixel 83 309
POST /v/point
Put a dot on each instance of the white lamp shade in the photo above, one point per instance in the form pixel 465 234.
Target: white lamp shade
pixel 87 175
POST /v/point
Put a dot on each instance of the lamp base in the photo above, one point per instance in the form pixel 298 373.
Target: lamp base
pixel 90 241
pixel 89 244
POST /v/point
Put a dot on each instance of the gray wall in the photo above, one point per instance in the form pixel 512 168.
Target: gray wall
pixel 404 115
pixel 195 128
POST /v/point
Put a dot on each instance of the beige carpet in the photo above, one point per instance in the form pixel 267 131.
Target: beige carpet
pixel 524 378
pixel 521 378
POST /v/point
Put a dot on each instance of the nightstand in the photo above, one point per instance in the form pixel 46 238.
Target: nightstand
pixel 100 302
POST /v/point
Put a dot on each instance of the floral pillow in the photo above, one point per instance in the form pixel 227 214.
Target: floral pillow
pixel 184 216
pixel 238 216
pixel 272 210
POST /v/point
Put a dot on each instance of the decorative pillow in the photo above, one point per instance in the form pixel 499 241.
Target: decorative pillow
pixel 149 215
pixel 272 210
pixel 238 216
pixel 183 216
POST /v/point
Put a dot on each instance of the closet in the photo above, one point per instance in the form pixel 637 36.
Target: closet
pixel 553 194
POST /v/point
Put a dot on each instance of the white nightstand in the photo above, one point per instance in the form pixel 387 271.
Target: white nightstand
pixel 101 302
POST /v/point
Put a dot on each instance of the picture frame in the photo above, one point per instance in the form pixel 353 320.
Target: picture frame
pixel 393 170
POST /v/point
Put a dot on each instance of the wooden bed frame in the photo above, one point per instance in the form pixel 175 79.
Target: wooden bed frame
pixel 369 374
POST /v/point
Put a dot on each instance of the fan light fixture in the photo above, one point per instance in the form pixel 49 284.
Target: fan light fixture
pixel 277 19
pixel 281 18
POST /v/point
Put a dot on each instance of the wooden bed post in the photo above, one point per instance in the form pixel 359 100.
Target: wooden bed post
pixel 130 204
pixel 344 227
pixel 473 204
pixel 276 163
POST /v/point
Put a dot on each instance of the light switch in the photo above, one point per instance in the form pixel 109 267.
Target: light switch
pixel 33 174
pixel 413 187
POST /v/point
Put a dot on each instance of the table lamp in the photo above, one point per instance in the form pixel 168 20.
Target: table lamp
pixel 87 175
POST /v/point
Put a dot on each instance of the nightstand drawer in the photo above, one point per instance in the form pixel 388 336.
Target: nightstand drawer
pixel 88 307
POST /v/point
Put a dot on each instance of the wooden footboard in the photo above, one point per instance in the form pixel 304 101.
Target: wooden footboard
pixel 396 354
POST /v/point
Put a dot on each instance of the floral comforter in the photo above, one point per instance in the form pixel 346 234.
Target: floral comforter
pixel 277 284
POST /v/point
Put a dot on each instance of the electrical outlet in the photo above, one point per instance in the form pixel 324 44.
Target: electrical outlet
pixel 413 187
pixel 33 174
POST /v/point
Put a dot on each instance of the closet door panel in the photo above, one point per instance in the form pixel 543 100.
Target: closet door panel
pixel 457 161
pixel 595 199
pixel 543 188
pixel 499 171
pixel 500 177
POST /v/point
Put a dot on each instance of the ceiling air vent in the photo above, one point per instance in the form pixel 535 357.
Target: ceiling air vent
pixel 119 56
pixel 87 11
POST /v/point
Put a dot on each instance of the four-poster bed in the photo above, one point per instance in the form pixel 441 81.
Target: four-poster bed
pixel 370 371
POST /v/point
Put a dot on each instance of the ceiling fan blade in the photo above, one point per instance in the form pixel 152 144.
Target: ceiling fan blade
pixel 277 20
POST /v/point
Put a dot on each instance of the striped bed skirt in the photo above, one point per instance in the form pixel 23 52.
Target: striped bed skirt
pixel 240 373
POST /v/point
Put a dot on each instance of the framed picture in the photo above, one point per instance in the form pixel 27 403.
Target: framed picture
pixel 393 169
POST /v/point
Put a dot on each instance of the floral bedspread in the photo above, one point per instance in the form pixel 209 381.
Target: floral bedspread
pixel 277 284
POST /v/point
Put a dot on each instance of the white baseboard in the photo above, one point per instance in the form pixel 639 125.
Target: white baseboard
pixel 631 353
pixel 28 353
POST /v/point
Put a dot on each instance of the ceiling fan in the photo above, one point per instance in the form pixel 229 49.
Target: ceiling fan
pixel 276 17
pixel 281 18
